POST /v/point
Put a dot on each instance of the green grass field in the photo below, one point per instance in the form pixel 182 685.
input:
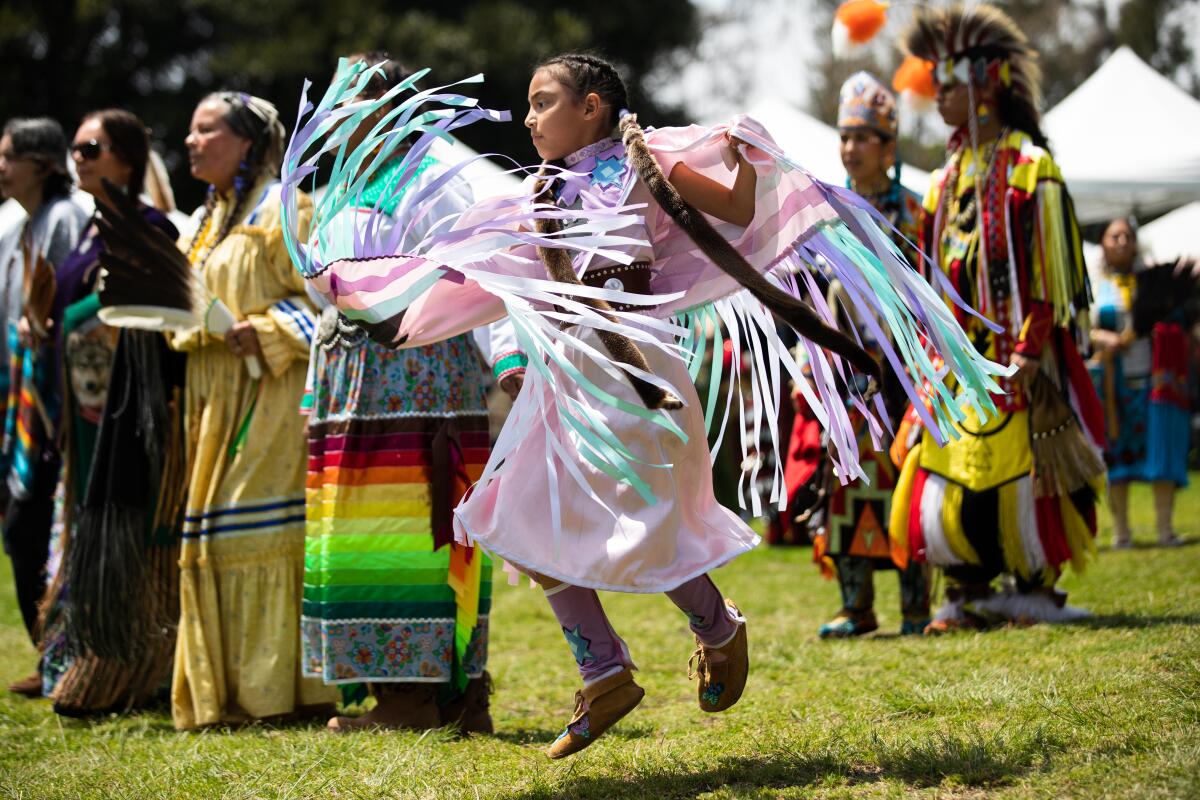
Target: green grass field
pixel 1106 708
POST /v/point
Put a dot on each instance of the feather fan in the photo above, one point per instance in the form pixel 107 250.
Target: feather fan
pixel 147 283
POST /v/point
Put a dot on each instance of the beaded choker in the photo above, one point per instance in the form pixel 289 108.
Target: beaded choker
pixel 593 149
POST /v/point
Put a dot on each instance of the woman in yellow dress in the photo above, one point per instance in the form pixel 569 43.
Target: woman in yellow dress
pixel 242 558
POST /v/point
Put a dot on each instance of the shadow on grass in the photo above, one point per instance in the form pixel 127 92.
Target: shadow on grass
pixel 526 736
pixel 1102 621
pixel 979 760
pixel 885 637
pixel 156 718
pixel 975 760
pixel 1135 621
pixel 1187 541
pixel 669 783
pixel 541 737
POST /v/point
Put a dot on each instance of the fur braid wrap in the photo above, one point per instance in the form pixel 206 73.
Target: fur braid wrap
pixel 794 312
pixel 621 348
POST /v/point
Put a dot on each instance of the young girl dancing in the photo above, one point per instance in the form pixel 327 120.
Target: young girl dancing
pixel 625 259
pixel 616 278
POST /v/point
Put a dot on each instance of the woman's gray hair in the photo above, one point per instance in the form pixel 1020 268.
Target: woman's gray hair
pixel 255 119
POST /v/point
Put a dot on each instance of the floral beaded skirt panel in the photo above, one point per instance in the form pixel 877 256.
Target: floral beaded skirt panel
pixel 377 603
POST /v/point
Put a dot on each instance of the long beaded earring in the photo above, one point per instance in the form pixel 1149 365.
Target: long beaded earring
pixel 985 113
pixel 241 180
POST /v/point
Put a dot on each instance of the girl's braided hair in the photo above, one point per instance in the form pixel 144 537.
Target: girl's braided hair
pixel 257 120
pixel 584 73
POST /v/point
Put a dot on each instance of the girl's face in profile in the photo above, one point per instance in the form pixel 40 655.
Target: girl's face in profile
pixel 559 123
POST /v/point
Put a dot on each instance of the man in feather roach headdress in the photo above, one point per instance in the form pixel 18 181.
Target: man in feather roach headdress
pixel 1016 494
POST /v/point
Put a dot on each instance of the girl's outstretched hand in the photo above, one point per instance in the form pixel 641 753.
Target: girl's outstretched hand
pixel 732 204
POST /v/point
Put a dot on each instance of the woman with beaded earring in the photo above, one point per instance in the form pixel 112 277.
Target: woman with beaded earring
pixel 850 525
pixel 237 655
pixel 1141 318
pixel 33 171
pixel 1015 495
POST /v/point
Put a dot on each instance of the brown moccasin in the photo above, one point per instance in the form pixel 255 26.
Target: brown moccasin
pixel 470 710
pixel 597 708
pixel 400 706
pixel 722 670
pixel 30 686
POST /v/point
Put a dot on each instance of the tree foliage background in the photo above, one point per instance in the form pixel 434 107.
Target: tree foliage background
pixel 63 58
pixel 1073 37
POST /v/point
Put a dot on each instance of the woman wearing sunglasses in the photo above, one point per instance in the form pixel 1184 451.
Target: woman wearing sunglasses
pixel 33 171
pixel 115 594
pixel 1010 495
pixel 111 145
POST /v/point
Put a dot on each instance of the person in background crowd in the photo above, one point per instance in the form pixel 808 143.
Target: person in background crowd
pixel 1141 376
pixel 385 428
pixel 237 656
pixel 108 624
pixel 33 171
pixel 1014 494
pixel 851 533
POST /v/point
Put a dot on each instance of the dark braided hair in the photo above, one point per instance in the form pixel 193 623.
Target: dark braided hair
pixel 391 71
pixel 583 74
pixel 1017 112
pixel 257 120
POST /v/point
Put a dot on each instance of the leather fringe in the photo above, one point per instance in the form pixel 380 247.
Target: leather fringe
pixel 622 349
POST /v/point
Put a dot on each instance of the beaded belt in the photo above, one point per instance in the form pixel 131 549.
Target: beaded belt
pixel 633 278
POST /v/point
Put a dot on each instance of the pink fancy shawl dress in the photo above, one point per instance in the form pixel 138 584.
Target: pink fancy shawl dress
pixel 585 484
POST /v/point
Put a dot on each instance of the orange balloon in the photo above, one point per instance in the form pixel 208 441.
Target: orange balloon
pixel 914 77
pixel 862 19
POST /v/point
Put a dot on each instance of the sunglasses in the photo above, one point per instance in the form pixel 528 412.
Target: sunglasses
pixel 90 150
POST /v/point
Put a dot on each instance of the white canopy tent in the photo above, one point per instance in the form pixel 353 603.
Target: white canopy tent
pixel 1172 235
pixel 815 144
pixel 1127 142
pixel 487 177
